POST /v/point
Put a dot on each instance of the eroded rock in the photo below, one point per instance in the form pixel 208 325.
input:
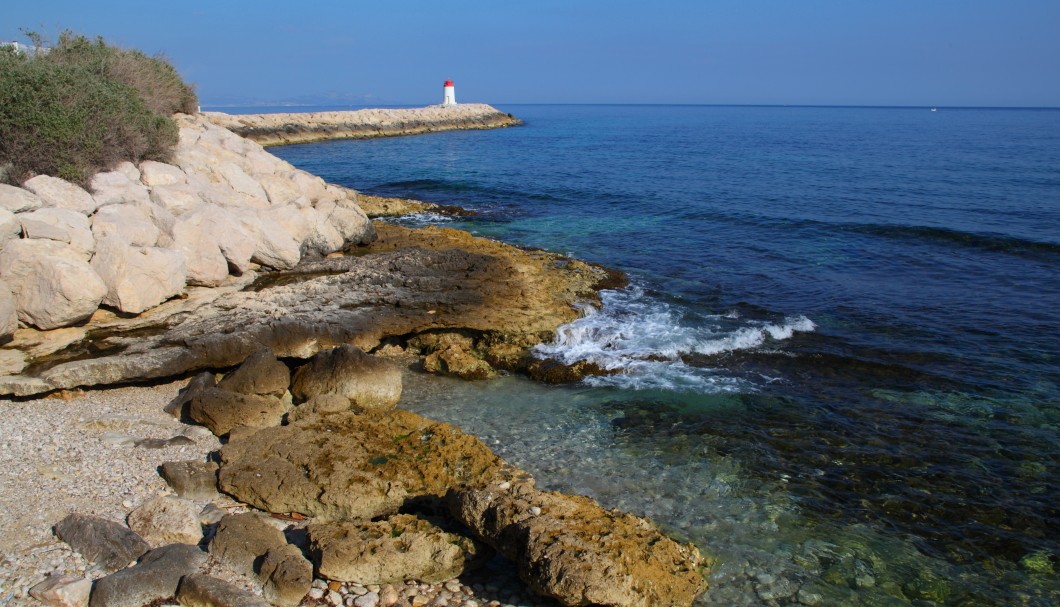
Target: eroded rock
pixel 345 466
pixel 401 547
pixel 260 374
pixel 201 590
pixel 371 383
pixel 194 480
pixel 572 549
pixel 221 410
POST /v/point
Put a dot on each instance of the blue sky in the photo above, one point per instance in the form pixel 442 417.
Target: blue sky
pixel 895 52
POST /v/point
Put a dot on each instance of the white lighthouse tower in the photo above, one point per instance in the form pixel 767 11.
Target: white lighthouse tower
pixel 449 93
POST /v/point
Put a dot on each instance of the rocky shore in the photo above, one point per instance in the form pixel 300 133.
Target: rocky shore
pixel 281 473
pixel 278 129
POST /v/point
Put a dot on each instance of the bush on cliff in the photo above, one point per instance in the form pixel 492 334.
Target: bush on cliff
pixel 85 106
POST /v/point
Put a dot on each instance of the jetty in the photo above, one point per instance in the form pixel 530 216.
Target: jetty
pixel 305 127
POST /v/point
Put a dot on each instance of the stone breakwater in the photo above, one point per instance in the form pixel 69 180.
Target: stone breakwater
pixel 278 129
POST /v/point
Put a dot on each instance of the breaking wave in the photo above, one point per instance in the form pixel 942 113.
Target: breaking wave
pixel 646 340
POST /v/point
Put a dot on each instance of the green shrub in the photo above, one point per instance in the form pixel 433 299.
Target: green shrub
pixel 85 106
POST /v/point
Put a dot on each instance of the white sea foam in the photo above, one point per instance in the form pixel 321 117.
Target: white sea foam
pixel 645 339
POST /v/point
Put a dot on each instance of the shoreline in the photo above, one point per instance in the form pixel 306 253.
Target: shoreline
pixel 308 127
pixel 454 303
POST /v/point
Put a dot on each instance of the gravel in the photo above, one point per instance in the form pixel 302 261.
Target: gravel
pixel 76 452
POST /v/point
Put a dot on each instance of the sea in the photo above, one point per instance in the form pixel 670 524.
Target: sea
pixel 839 354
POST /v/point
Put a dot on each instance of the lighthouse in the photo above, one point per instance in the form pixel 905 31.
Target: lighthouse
pixel 449 93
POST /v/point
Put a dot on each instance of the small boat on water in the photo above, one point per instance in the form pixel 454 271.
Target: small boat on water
pixel 934 109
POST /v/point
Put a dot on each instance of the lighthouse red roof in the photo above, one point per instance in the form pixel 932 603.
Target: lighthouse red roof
pixel 448 83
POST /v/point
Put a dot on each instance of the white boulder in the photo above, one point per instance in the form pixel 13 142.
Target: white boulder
pixel 55 192
pixel 62 225
pixel 115 187
pixel 154 173
pixel 274 246
pixel 138 278
pixel 128 222
pixel 211 239
pixel 239 181
pixel 10 226
pixel 177 198
pixel 53 286
pixel 8 313
pixel 17 200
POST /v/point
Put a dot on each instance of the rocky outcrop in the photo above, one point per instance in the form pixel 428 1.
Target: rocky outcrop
pixel 349 466
pixel 572 549
pixel 259 374
pixel 417 288
pixel 276 129
pixel 221 411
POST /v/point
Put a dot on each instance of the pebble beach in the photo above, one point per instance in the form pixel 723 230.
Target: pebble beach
pixel 91 452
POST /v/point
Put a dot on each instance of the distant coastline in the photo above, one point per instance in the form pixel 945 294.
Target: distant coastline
pixel 305 127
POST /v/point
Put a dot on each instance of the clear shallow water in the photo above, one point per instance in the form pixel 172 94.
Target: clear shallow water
pixel 840 347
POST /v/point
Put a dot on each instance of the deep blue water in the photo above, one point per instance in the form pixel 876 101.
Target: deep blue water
pixel 847 317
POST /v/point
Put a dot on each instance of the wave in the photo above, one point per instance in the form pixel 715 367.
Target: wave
pixel 978 240
pixel 647 339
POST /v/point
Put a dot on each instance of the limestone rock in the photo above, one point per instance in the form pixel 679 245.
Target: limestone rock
pixel 323 404
pixel 129 170
pixel 212 239
pixel 572 549
pixel 238 179
pixel 242 539
pixel 407 283
pixel 201 590
pixel 346 466
pixel 221 410
pixel 129 222
pixel 154 173
pixel 369 382
pixel 166 520
pixel 280 190
pixel 286 576
pixel 10 226
pixel 116 187
pixel 456 360
pixel 402 547
pixel 138 278
pixel 12 362
pixel 177 198
pixel 274 246
pixel 55 192
pixel 156 576
pixel 53 286
pixel 17 200
pixel 259 374
pixel 193 480
pixel 8 313
pixel 178 407
pixel 62 591
pixel 100 541
pixel 349 220
pixel 60 225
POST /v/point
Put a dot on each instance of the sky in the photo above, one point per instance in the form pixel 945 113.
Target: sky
pixel 795 52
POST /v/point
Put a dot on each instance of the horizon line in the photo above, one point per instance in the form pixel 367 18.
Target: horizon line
pixel 658 104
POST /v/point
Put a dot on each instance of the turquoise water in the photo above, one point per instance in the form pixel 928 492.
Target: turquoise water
pixel 839 350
